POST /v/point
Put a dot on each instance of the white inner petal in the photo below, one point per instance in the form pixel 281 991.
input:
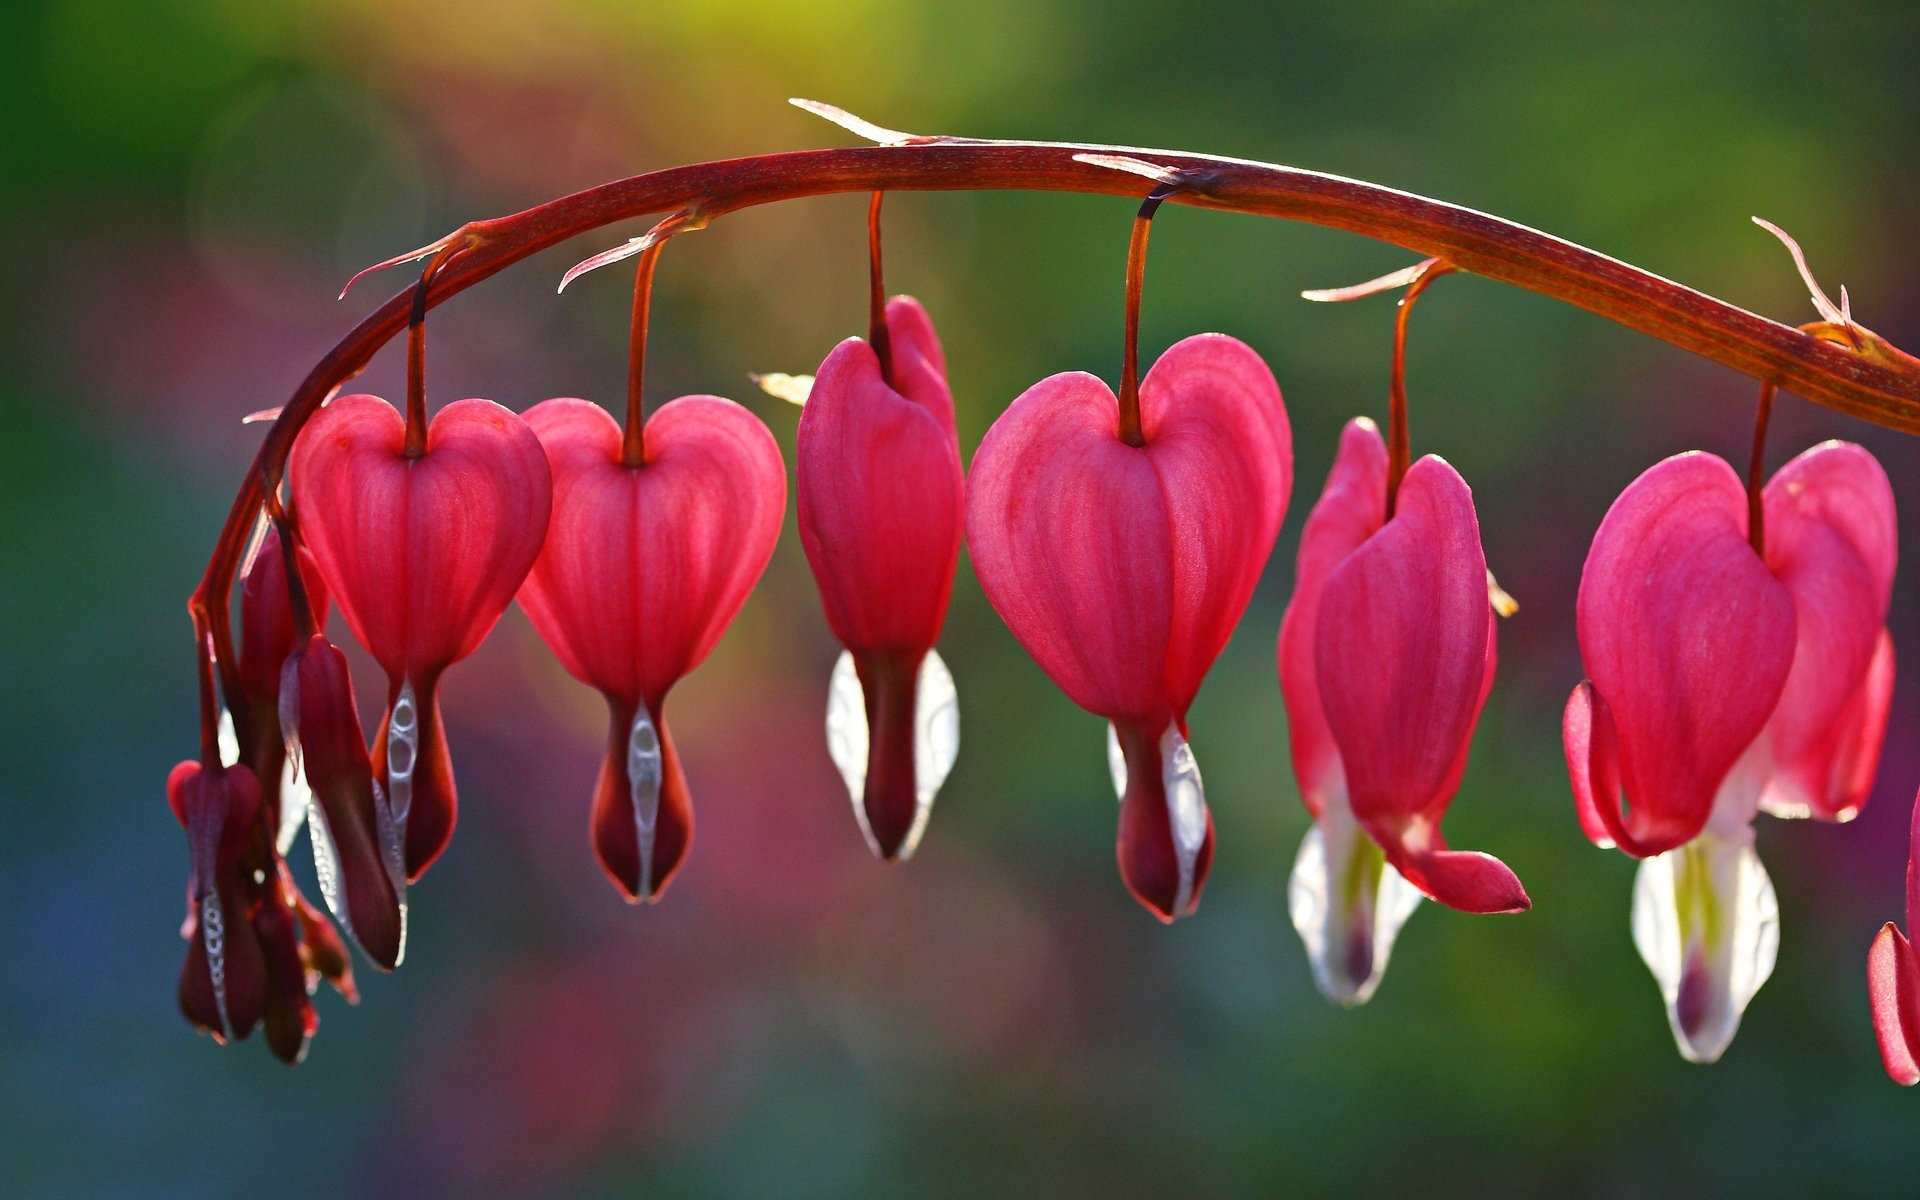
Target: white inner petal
pixel 645 771
pixel 213 936
pixel 936 739
pixel 1347 904
pixel 1186 810
pixel 295 796
pixel 403 749
pixel 1707 923
pixel 229 740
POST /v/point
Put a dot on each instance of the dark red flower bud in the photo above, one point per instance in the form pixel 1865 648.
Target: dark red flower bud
pixel 289 1017
pixel 223 985
pixel 356 834
pixel 267 629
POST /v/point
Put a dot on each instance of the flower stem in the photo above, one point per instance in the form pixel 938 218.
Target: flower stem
pixel 1130 431
pixel 633 450
pixel 877 336
pixel 1757 473
pixel 1399 442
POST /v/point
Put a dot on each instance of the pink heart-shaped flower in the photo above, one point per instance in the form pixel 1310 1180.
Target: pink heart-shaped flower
pixel 881 500
pixel 1123 569
pixel 422 555
pixel 643 569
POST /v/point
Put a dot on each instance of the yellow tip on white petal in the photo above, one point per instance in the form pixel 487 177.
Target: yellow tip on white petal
pixel 1503 604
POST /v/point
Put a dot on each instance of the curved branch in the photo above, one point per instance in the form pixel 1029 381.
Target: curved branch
pixel 1847 370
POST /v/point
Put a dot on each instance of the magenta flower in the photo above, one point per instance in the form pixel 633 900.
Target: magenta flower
pixel 643 569
pixel 1721 683
pixel 1893 978
pixel 881 504
pixel 422 554
pixel 1386 655
pixel 1123 568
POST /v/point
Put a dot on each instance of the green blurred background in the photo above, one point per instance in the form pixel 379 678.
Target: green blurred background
pixel 186 186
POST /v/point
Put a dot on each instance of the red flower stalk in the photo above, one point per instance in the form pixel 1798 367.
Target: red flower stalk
pixel 1123 567
pixel 1724 680
pixel 422 548
pixel 223 986
pixel 881 503
pixel 1893 977
pixel 1386 656
pixel 644 567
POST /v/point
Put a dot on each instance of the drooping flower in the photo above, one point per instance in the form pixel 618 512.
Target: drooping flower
pixel 1122 569
pixel 422 554
pixel 1386 655
pixel 1893 977
pixel 881 504
pixel 358 851
pixel 643 569
pixel 1723 682
pixel 223 985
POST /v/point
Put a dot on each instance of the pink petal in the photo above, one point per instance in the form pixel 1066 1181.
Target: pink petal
pixel 1123 569
pixel 1351 508
pixel 1893 989
pixel 422 555
pixel 1830 540
pixel 919 364
pixel 644 568
pixel 1593 763
pixel 1913 868
pixel 1688 640
pixel 1217 433
pixel 881 502
pixel 1070 536
pixel 1401 654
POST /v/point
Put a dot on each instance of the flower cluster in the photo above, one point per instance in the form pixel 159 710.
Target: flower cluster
pixel 1734 638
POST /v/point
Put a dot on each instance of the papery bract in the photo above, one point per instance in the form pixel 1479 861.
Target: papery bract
pixel 422 555
pixel 644 567
pixel 1386 656
pixel 1123 569
pixel 1722 681
pixel 881 506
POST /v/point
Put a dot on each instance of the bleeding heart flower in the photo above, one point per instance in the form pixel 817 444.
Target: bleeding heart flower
pixel 881 498
pixel 223 986
pixel 644 567
pixel 1123 569
pixel 1720 683
pixel 1893 978
pixel 422 555
pixel 1386 655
